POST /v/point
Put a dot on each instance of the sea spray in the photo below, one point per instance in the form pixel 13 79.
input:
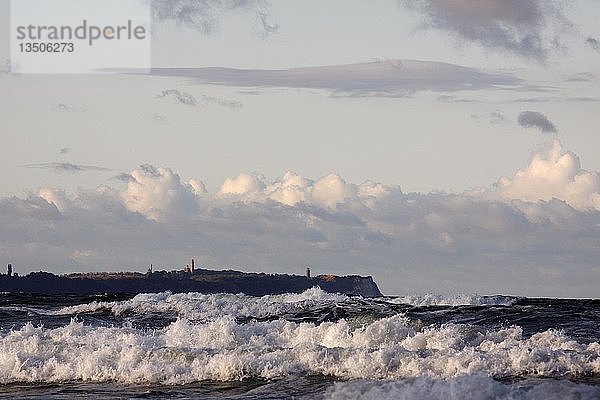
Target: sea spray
pixel 308 345
pixel 222 349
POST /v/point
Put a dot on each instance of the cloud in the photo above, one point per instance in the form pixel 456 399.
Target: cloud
pixel 593 43
pixel 8 67
pixel 179 97
pixel 552 174
pixel 583 99
pixel 516 26
pixel 197 187
pixel 330 192
pixel 158 193
pixel 68 108
pixel 123 177
pixel 268 26
pixel 532 100
pixel 243 184
pixel 454 99
pixel 66 167
pixel 549 99
pixel 56 197
pixel 533 234
pixel 291 189
pixel 222 102
pixel 380 78
pixel 190 100
pixel 580 77
pixel 495 117
pixel 204 15
pixel 534 119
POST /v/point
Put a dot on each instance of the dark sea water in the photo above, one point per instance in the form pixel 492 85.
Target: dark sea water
pixel 312 345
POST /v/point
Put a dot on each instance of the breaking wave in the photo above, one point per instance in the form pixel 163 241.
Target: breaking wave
pixel 308 345
pixel 464 387
pixel 454 300
pixel 198 306
pixel 222 349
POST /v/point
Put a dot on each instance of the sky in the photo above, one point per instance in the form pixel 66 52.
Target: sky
pixel 438 146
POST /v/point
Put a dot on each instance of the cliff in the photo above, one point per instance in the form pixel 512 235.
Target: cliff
pixel 204 281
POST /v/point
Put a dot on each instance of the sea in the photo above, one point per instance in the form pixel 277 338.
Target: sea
pixel 312 345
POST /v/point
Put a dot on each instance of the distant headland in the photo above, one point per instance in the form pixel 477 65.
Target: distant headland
pixel 190 279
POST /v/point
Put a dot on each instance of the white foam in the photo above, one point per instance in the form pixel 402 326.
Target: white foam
pixel 221 349
pixel 198 306
pixel 454 300
pixel 464 387
pixel 22 309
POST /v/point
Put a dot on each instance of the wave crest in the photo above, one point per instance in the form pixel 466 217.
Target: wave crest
pixel 454 300
pixel 222 349
pixel 198 306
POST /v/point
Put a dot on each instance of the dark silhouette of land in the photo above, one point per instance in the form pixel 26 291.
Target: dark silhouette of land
pixel 199 280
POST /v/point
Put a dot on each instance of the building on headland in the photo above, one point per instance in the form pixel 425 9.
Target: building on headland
pixel 190 268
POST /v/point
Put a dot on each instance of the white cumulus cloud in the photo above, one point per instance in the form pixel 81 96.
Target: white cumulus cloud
pixel 332 190
pixel 292 189
pixel 56 197
pixel 248 185
pixel 552 174
pixel 158 193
